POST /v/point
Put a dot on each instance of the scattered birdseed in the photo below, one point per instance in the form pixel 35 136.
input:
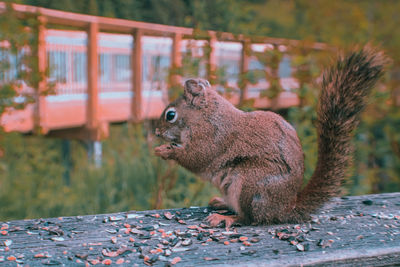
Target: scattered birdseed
pixel 246 243
pixel 167 252
pixel 94 262
pixel 243 238
pixel 111 231
pixel 115 218
pixel 249 252
pixel 82 256
pixel 176 260
pixel 51 262
pixel 187 242
pixel 168 215
pixel 42 255
pixel 95 244
pixel 300 247
pixel 136 231
pixel 325 243
pixel 359 237
pixel 134 216
pixel 368 202
pixel 57 238
pixel 11 258
pixel 120 261
pixel 254 240
pixel 107 262
pixel 108 253
pixel 211 258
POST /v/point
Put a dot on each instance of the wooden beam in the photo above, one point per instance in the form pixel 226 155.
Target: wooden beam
pixel 137 69
pixel 127 26
pixel 83 133
pixel 111 24
pixel 92 111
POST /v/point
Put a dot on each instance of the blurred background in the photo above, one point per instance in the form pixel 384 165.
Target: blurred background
pixel 49 172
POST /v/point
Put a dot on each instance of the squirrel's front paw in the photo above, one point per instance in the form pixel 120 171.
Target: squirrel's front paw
pixel 164 151
pixel 218 203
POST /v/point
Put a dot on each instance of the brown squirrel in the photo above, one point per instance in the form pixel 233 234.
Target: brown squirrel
pixel 255 158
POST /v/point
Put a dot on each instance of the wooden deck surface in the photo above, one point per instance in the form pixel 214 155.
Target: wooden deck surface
pixel 350 231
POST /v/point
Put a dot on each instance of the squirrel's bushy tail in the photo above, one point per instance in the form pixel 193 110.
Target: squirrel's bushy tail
pixel 345 89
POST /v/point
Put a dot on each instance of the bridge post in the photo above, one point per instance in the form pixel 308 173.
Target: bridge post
pixel 212 59
pixel 244 69
pixel 93 124
pixel 40 107
pixel 95 152
pixel 66 160
pixel 275 79
pixel 176 62
pixel 137 68
pixel 92 110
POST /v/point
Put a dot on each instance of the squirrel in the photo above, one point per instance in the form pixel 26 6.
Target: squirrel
pixel 255 159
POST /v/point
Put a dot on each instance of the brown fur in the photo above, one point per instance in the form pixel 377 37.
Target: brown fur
pixel 255 158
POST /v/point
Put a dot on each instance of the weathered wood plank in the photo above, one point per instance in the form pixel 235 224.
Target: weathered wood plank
pixel 353 231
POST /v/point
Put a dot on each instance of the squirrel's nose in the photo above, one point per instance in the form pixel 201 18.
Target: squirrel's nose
pixel 157 132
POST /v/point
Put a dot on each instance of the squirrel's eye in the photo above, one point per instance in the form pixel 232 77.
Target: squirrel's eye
pixel 171 115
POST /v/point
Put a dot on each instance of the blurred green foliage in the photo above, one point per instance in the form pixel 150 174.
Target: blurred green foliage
pixel 32 168
pixel 31 183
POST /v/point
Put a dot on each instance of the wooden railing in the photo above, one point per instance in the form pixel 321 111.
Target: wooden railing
pixel 352 231
pixel 95 127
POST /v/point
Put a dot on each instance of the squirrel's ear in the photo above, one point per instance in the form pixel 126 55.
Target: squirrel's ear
pixel 195 92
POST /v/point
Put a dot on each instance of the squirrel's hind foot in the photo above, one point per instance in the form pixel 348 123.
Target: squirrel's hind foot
pixel 215 219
